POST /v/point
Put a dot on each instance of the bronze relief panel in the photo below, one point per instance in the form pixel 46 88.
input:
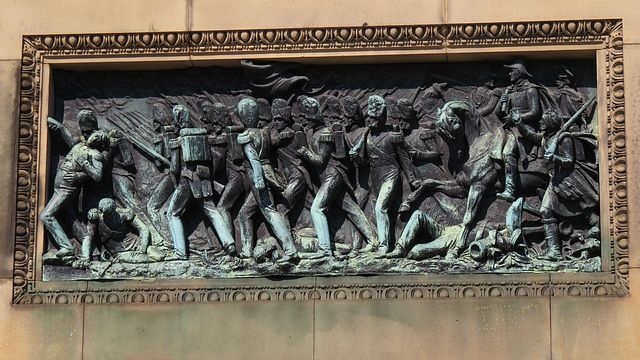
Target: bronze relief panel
pixel 414 171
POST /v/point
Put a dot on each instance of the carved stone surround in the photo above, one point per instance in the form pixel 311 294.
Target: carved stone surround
pixel 601 38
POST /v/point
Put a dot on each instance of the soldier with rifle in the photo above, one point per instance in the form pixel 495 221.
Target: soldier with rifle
pixel 191 163
pixel 571 158
pixel 167 131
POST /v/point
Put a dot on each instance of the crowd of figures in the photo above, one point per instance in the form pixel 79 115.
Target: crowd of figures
pixel 500 177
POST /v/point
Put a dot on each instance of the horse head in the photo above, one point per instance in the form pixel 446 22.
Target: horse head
pixel 458 120
pixel 453 119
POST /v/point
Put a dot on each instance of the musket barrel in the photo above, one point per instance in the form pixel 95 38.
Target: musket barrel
pixel 147 149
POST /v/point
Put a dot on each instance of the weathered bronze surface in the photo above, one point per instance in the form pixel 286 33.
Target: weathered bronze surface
pixel 324 170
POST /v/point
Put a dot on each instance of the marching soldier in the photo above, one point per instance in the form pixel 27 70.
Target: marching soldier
pixel 191 163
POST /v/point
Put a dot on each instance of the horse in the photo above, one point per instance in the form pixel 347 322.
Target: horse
pixel 474 160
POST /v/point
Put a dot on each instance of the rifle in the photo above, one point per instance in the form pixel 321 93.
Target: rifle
pixel 553 144
pixel 217 187
pixel 148 150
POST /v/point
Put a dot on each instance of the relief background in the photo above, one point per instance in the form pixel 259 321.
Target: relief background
pixel 536 328
pixel 123 100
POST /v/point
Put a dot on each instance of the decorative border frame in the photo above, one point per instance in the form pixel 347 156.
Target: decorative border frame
pixel 602 39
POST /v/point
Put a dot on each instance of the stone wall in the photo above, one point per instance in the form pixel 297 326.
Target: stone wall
pixel 535 328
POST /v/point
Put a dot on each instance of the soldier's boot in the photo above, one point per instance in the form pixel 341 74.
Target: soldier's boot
pixel 382 252
pixel 64 252
pixel 510 169
pixel 368 248
pixel 231 250
pixel 320 254
pixel 356 242
pixel 453 254
pixel 290 259
pixel 371 245
pixel 552 237
pixel 398 252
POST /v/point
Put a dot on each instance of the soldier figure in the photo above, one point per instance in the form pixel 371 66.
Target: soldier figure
pixel 191 163
pixel 167 130
pixel 423 145
pixel 574 176
pixel 485 98
pixel 334 183
pixel 354 127
pixel 264 114
pixel 255 144
pixel 123 174
pixel 226 145
pixel 296 176
pixel 352 119
pixel 111 227
pixel 567 97
pixel 383 148
pixel 523 97
pixel 216 119
pixel 432 100
pixel 441 240
pixel 84 161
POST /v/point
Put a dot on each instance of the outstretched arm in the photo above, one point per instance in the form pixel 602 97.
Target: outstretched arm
pixel 62 132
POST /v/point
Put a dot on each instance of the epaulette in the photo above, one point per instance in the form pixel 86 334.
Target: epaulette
pixel 244 137
pixel 396 138
pixel 325 135
pixel 93 215
pixel 496 92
